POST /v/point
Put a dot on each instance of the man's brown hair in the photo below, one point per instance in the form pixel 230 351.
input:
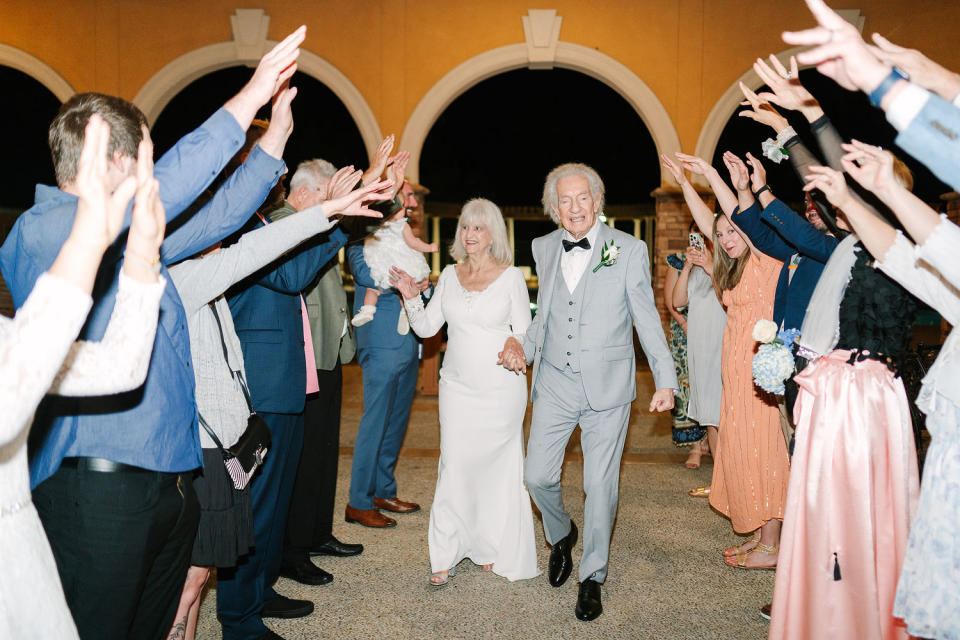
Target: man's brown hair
pixel 66 132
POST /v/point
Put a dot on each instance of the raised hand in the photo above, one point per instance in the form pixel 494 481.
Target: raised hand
pixel 404 283
pixel 273 70
pixel 739 175
pixel 694 164
pixel 785 88
pixel 921 69
pixel 831 183
pixel 379 161
pixel 397 168
pixel 343 182
pixel 354 203
pixel 678 173
pixel 761 111
pixel 274 139
pixel 838 52
pixel 142 253
pixel 99 212
pixel 870 166
pixel 758 177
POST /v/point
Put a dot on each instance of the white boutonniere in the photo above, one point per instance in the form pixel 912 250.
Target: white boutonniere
pixel 608 256
pixel 772 150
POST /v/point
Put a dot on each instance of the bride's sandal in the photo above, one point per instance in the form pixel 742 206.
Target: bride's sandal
pixel 739 549
pixel 441 578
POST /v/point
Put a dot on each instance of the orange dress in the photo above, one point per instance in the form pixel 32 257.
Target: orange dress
pixel 752 467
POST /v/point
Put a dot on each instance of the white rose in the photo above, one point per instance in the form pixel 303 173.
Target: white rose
pixel 764 331
pixel 613 252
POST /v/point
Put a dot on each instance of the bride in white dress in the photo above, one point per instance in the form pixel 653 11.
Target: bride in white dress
pixel 480 509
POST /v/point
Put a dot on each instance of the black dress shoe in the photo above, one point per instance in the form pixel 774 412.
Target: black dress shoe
pixel 282 607
pixel 560 561
pixel 334 547
pixel 306 573
pixel 269 635
pixel 588 601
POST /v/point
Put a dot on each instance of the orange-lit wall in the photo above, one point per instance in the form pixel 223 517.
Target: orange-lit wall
pixel 688 52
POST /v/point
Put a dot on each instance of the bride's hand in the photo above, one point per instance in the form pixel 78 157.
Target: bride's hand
pixel 513 357
pixel 404 283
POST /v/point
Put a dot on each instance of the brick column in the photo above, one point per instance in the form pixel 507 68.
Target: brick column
pixel 673 222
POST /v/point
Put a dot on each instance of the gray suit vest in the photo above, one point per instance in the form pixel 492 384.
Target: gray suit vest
pixel 561 344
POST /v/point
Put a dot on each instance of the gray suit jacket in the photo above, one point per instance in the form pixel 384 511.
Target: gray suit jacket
pixel 616 299
pixel 327 311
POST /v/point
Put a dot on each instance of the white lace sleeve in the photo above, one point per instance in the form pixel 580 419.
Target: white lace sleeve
pixel 426 321
pixel 119 361
pixel 33 345
pixel 519 306
pixel 901 264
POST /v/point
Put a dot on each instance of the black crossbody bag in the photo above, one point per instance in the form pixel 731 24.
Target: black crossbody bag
pixel 246 456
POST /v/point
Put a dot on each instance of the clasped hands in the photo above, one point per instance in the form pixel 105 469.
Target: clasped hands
pixel 513 357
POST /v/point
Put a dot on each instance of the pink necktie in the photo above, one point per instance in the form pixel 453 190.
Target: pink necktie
pixel 313 384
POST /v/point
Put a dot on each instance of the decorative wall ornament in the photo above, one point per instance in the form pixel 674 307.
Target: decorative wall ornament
pixel 541 29
pixel 250 28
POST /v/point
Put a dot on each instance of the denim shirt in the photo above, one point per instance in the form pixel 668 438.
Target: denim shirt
pixel 154 427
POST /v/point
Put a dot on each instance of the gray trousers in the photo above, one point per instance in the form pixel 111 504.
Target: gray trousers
pixel 562 404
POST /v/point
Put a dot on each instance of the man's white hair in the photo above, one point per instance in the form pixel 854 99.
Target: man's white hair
pixel 482 211
pixel 312 174
pixel 551 199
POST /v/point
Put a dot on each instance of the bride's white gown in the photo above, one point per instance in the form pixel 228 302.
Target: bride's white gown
pixel 481 509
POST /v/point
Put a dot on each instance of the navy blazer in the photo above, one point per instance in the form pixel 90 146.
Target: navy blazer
pixel 780 232
pixel 268 319
pixel 381 332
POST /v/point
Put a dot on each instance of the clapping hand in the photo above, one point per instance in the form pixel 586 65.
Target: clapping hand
pixel 787 91
pixel 355 202
pixel 838 52
pixel 404 283
pixel 397 168
pixel 99 212
pixel 694 164
pixel 831 183
pixel 513 357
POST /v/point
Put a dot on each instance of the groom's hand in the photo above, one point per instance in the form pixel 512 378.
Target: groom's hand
pixel 662 400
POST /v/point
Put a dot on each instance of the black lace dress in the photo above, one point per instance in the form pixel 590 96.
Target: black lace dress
pixel 853 479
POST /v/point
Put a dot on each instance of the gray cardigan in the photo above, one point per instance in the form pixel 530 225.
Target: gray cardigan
pixel 200 281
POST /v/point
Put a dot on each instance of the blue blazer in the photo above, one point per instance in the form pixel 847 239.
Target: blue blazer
pixel 267 316
pixel 381 332
pixel 933 138
pixel 780 232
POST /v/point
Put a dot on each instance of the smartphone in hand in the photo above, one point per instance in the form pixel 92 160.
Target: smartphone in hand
pixel 696 241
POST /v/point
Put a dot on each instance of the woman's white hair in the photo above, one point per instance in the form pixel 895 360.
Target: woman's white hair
pixel 312 174
pixel 482 211
pixel 551 199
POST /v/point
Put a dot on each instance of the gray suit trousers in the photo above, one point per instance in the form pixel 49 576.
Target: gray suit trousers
pixel 562 404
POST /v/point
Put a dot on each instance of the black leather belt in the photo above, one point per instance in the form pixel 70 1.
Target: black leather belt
pixel 100 464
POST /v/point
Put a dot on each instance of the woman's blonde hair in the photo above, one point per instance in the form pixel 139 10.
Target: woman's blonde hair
pixel 727 271
pixel 482 211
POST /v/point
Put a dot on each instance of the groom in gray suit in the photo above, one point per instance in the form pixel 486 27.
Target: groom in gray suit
pixel 594 288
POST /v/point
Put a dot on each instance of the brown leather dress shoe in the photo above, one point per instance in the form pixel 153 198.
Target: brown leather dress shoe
pixel 369 518
pixel 396 505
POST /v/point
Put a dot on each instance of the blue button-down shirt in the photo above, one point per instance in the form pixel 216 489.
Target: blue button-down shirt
pixel 154 427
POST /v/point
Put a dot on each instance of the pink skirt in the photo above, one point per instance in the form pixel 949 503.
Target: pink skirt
pixel 852 495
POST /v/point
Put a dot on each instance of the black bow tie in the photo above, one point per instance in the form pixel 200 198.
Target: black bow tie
pixel 583 243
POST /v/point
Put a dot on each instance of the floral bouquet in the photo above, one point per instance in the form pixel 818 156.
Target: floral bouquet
pixel 774 360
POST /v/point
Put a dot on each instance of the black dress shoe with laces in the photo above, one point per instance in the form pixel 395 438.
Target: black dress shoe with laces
pixel 560 560
pixel 334 547
pixel 306 573
pixel 282 607
pixel 588 601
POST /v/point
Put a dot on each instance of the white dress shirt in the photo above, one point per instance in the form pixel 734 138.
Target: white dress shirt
pixel 574 263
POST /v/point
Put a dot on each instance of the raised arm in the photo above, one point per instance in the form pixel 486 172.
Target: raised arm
pixel 702 214
pixel 726 197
